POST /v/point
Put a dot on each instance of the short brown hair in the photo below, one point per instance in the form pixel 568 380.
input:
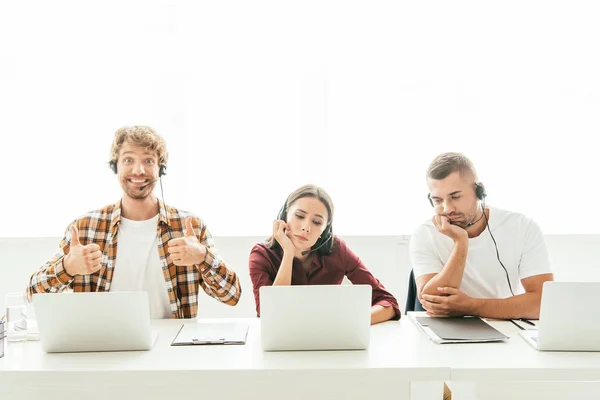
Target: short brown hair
pixel 142 136
pixel 319 194
pixel 447 163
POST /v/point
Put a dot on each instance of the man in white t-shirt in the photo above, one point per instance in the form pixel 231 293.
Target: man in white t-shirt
pixel 140 243
pixel 470 259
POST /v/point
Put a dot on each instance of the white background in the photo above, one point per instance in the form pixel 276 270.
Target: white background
pixel 256 98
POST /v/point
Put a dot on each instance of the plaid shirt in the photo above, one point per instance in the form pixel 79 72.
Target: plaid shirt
pixel 102 227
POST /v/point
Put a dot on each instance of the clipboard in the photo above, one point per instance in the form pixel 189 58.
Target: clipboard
pixel 211 333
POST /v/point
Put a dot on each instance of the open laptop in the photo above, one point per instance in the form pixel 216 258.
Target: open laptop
pixel 315 317
pixel 568 320
pixel 103 321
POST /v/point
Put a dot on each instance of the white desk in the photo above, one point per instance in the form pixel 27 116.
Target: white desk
pixel 400 360
pixel 513 369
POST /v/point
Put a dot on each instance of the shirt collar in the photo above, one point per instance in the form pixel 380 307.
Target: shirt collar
pixel 317 261
pixel 162 214
pixel 115 217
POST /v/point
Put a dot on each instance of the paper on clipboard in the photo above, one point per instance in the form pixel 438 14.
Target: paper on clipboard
pixel 211 333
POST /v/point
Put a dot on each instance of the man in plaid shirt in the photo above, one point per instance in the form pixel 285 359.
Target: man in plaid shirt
pixel 168 253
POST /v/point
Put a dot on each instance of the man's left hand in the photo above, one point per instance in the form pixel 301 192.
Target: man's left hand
pixel 450 302
pixel 187 250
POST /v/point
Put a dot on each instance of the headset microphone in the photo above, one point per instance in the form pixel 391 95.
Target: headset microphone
pixel 478 219
pixel 305 252
pixel 162 171
pixel 148 184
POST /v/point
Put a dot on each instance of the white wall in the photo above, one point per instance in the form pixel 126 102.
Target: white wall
pixel 345 94
pixel 574 257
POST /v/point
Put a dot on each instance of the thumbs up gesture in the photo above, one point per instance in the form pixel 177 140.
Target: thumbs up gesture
pixel 187 250
pixel 82 260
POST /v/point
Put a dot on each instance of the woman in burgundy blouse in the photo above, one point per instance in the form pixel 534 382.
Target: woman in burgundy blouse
pixel 304 251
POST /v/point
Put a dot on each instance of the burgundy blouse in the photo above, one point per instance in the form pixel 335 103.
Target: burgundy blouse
pixel 325 270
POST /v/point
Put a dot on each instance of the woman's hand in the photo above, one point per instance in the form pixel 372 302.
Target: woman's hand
pixel 280 233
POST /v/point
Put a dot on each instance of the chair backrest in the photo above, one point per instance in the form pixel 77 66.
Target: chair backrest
pixel 412 298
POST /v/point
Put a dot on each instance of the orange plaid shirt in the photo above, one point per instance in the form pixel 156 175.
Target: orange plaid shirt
pixel 102 227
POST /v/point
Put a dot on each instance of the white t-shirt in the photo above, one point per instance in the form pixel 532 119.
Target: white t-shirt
pixel 521 247
pixel 138 266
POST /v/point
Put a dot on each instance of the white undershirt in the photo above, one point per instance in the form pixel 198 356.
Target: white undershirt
pixel 138 266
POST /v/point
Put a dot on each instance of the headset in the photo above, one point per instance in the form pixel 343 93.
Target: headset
pixel 162 171
pixel 481 195
pixel 479 192
pixel 325 237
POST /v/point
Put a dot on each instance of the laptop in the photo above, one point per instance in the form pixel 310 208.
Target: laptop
pixel 315 317
pixel 456 329
pixel 567 322
pixel 99 321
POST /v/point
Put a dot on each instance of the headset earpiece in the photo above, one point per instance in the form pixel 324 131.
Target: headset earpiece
pixel 327 234
pixel 480 191
pixel 282 213
pixel 113 165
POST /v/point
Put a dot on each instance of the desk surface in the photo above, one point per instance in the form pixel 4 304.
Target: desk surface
pixel 399 353
pixel 397 345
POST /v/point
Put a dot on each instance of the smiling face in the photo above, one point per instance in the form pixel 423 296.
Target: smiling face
pixel 307 218
pixel 137 170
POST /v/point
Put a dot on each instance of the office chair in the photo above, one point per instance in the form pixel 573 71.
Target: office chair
pixel 412 300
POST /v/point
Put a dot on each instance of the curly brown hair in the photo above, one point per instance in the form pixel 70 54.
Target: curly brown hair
pixel 142 136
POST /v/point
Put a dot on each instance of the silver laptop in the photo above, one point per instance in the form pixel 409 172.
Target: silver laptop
pixel 103 321
pixel 315 317
pixel 456 330
pixel 568 321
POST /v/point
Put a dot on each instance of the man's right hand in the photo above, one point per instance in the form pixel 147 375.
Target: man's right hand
pixel 454 232
pixel 82 260
pixel 280 233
